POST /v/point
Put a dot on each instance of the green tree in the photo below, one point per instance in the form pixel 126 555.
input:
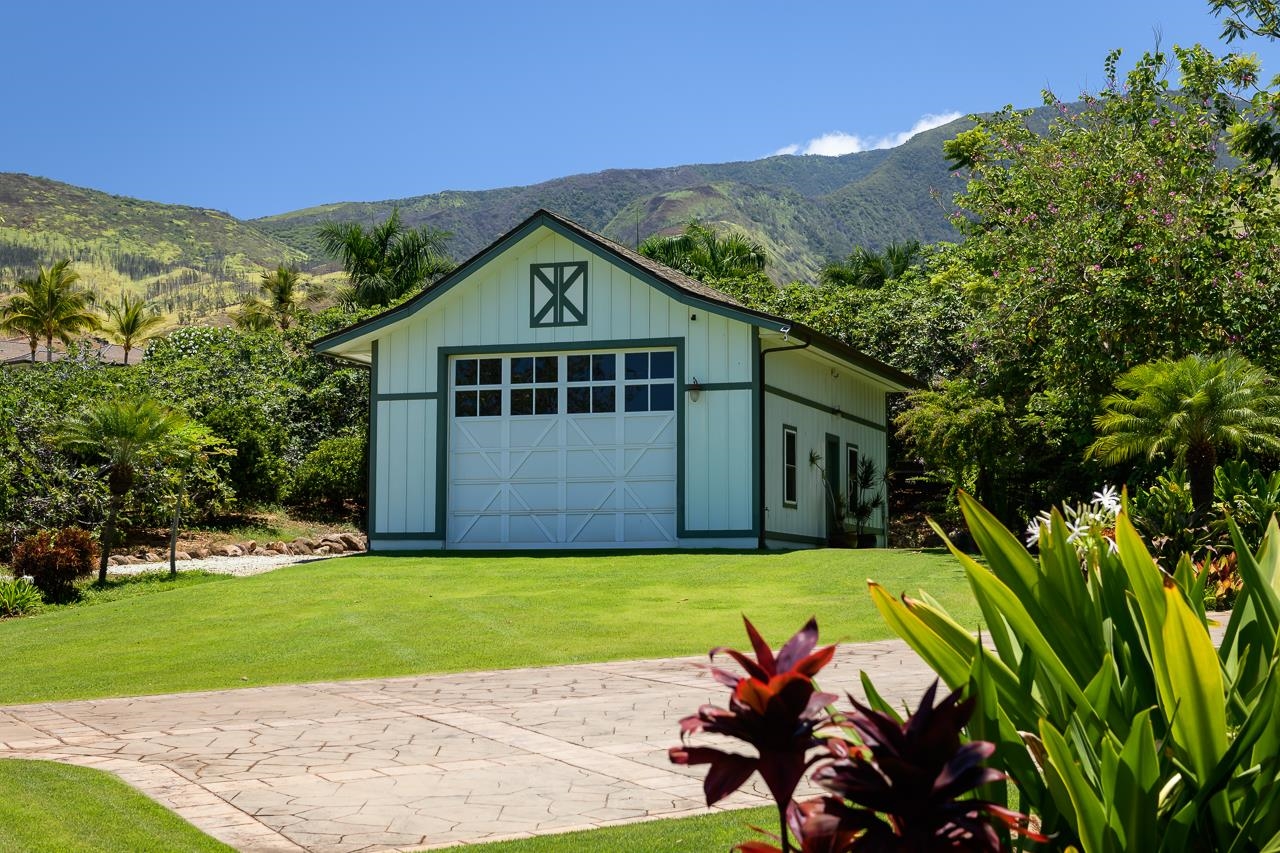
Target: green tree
pixel 1113 236
pixel 870 269
pixel 190 443
pixel 126 434
pixel 963 433
pixel 131 322
pixel 284 298
pixel 15 320
pixel 1189 409
pixel 387 261
pixel 703 253
pixel 52 306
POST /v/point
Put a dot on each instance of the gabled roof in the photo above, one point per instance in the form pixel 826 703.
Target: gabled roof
pixel 674 283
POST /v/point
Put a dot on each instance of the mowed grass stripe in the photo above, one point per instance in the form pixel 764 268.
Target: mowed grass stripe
pixel 371 616
pixel 49 806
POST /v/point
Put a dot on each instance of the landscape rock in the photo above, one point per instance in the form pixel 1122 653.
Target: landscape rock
pixel 132 561
pixel 323 549
pixel 301 546
pixel 200 553
pixel 228 551
pixel 116 560
pixel 247 547
pixel 352 542
pixel 266 552
pixel 335 547
pixel 181 555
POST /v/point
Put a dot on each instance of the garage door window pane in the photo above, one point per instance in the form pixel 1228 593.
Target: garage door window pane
pixel 662 365
pixel 490 371
pixel 547 401
pixel 579 368
pixel 662 398
pixel 464 372
pixel 637 365
pixel 464 404
pixel 548 368
pixel 603 368
pixel 490 403
pixel 637 398
pixel 521 371
pixel 522 401
pixel 579 400
pixel 602 399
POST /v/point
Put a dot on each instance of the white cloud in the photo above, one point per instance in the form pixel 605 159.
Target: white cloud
pixel 838 142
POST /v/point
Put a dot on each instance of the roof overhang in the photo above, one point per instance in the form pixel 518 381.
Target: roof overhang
pixel 355 342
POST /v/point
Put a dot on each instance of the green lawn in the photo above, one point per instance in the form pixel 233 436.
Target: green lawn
pixel 393 615
pixel 49 806
pixel 702 834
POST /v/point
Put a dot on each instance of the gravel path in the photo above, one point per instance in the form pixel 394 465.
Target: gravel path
pixel 238 566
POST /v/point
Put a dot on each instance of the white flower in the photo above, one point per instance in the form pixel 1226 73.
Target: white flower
pixel 1108 499
pixel 1033 532
pixel 1079 529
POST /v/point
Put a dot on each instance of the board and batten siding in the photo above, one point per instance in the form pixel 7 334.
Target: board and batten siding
pixel 490 309
pixel 847 404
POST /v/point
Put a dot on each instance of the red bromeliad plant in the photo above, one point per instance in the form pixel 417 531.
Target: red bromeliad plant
pixel 900 787
pixel 776 709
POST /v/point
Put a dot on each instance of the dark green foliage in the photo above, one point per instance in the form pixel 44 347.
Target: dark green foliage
pixel 1166 517
pixel 53 561
pixel 18 597
pixel 334 474
pixel 266 395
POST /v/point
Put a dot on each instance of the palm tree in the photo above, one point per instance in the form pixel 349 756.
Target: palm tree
pixel 126 433
pixel 1189 409
pixel 700 252
pixel 284 298
pixel 19 322
pixel 387 261
pixel 52 306
pixel 867 268
pixel 130 322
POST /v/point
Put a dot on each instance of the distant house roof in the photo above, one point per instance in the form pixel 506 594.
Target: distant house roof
pixel 18 351
pixel 647 268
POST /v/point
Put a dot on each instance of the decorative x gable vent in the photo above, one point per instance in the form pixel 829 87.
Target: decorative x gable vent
pixel 558 294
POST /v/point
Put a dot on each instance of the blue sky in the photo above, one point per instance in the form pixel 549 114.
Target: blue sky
pixel 262 107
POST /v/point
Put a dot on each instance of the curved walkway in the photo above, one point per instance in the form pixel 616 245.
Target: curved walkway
pixel 417 762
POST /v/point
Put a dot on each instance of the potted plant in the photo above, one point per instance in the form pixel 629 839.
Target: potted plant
pixel 865 498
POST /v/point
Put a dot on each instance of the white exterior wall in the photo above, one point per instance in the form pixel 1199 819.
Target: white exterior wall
pixel 491 308
pixel 803 374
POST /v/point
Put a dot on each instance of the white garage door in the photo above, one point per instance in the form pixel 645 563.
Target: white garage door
pixel 565 450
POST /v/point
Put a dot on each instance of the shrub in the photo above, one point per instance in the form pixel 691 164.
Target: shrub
pixel 893 786
pixel 18 596
pixel 1142 735
pixel 1166 518
pixel 333 474
pixel 55 560
pixel 1247 497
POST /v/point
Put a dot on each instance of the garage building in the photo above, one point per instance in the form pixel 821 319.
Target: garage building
pixel 559 390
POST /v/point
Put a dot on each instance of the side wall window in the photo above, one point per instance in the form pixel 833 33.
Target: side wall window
pixel 788 465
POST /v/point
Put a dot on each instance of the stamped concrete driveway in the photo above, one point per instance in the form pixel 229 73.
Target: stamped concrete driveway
pixel 420 762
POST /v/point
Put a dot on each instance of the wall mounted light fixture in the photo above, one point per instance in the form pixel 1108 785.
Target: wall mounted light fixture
pixel 695 390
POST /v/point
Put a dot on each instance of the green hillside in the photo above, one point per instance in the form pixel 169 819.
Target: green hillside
pixel 193 262
pixel 805 209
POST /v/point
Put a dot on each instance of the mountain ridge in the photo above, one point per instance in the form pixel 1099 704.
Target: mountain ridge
pixel 196 262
